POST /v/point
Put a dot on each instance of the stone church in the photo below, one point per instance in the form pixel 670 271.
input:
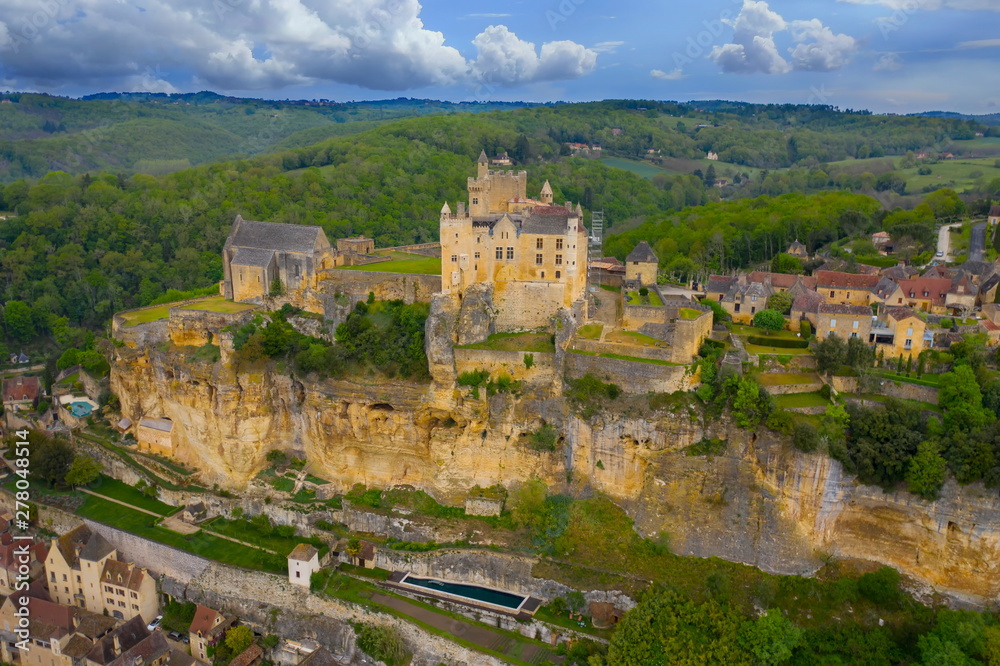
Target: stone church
pixel 256 253
pixel 531 252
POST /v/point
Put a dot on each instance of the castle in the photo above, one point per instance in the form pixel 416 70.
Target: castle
pixel 532 253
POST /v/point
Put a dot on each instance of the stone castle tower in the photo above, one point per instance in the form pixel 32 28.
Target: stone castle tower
pixel 532 253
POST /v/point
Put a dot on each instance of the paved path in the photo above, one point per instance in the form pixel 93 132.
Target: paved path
pixel 944 242
pixel 977 242
pixel 126 504
pixel 481 636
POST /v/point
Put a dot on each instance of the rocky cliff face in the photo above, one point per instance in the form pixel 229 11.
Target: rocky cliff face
pixel 761 502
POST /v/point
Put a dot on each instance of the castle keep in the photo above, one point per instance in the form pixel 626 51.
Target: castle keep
pixel 532 253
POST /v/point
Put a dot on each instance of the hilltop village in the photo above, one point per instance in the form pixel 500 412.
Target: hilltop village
pixel 240 512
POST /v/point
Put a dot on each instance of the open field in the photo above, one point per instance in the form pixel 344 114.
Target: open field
pixel 633 338
pixel 115 489
pixel 217 304
pixel 529 342
pixel 210 303
pixel 590 331
pixel 416 264
pixel 643 169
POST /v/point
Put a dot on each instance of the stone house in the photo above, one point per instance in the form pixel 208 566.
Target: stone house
pixel 845 288
pixel 844 321
pixel 641 265
pixel 798 250
pixel 303 562
pixel 78 573
pixel 359 245
pixel 156 435
pixel 131 644
pixel 11 556
pixel 744 299
pixel 256 253
pixel 718 286
pixel 207 628
pixel 994 215
pixel 59 635
pixel 782 281
pixel 925 294
pixel 532 252
pixel 899 332
pixel 21 392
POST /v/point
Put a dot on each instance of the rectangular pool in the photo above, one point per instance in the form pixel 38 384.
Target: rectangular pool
pixel 484 595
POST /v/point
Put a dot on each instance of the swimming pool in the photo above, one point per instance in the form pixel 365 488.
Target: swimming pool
pixel 474 592
pixel 81 409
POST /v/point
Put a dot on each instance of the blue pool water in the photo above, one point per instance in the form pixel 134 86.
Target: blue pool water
pixel 495 597
pixel 80 409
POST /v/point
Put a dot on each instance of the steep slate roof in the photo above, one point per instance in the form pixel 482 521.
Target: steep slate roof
pixel 93 625
pixel 96 548
pixel 807 302
pixel 900 314
pixel 303 552
pixel 836 280
pixel 938 271
pixel 851 310
pixel 123 574
pixel 149 649
pixel 166 425
pixel 319 657
pixel 367 550
pixel 251 256
pixel 796 246
pixel 991 282
pixel 482 157
pixel 78 647
pixel 551 220
pixel 178 658
pixel 995 210
pixel 719 283
pixel 643 254
pixel 69 542
pixel 129 635
pixel 898 272
pixel 885 288
pixel 276 236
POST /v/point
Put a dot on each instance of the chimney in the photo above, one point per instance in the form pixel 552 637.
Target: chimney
pixel 117 645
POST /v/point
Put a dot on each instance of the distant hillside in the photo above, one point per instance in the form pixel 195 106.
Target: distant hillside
pixel 158 133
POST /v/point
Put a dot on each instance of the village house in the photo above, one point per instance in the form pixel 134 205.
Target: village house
pixel 845 288
pixel 744 299
pixel 303 562
pixel 10 562
pixel 798 250
pixel 156 435
pixel 207 628
pixel 844 321
pixel 532 252
pixel 58 635
pixel 882 242
pixel 131 644
pixel 994 215
pixel 21 392
pixel 641 265
pixel 782 281
pixel 925 294
pixel 718 286
pixel 899 332
pixel 78 574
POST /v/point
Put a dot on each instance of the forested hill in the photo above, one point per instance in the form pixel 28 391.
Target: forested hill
pixel 159 133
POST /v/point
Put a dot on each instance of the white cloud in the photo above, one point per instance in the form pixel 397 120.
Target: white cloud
pixel 674 75
pixel 606 47
pixel 505 59
pixel 753 49
pixel 980 44
pixel 888 62
pixel 827 51
pixel 261 44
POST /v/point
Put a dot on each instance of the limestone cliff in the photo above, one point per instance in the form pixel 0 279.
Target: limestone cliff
pixel 761 502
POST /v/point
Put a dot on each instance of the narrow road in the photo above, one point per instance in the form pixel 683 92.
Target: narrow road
pixel 944 243
pixel 977 242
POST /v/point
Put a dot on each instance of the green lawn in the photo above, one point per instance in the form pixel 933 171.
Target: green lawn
pixel 786 378
pixel 777 351
pixel 689 313
pixel 416 264
pixel 652 298
pixel 923 380
pixel 623 357
pixel 608 287
pixel 751 331
pixel 69 381
pixel 881 398
pixel 633 338
pixel 529 342
pixel 244 530
pixel 642 169
pixel 201 543
pixel 147 315
pixel 218 304
pixel 590 331
pixel 800 400
pixel 958 174
pixel 122 492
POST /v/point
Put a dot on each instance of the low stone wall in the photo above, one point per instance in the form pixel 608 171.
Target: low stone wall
pixel 194 328
pixel 140 336
pixel 633 377
pixel 594 346
pixel 507 362
pixel 356 285
pixel 909 391
pixel 799 362
pixel 426 249
pixel 787 389
pixel 844 384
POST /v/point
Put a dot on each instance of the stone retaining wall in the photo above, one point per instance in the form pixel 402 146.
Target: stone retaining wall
pixel 511 363
pixel 356 285
pixel 786 389
pixel 633 377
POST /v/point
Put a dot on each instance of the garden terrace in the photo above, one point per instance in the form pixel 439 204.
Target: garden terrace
pixel 402 262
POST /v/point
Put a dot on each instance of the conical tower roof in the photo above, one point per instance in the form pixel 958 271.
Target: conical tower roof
pixel 482 157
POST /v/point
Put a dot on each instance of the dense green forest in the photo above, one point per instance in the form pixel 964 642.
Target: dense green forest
pixel 79 248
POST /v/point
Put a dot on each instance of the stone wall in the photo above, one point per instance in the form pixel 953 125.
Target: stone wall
pixel 787 389
pixel 356 285
pixel 526 306
pixel 140 336
pixel 507 362
pixel 689 334
pixel 633 377
pixel 903 390
pixel 426 249
pixel 194 328
pixel 634 316
pixel 664 353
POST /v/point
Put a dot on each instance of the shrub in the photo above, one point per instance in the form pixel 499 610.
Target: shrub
pixel 707 447
pixel 947 322
pixel 805 437
pixel 529 361
pixel 806 329
pixel 474 378
pixel 770 320
pixel 276 457
pixel 285 531
pixel 880 587
pixel 382 643
pixel 644 292
pixel 780 421
pixel 544 439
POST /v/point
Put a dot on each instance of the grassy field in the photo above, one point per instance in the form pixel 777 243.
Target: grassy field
pixel 147 315
pixel 689 313
pixel 776 351
pixel 633 338
pixel 624 357
pixel 959 174
pixel 590 331
pixel 800 400
pixel 786 378
pixel 201 543
pixel 923 380
pixel 750 331
pixel 244 530
pixel 115 489
pixel 529 342
pixel 652 298
pixel 218 304
pixel 608 287
pixel 416 264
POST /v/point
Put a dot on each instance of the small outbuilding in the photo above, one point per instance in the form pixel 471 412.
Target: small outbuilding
pixel 303 562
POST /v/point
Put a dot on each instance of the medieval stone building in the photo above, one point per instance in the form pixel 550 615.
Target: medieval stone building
pixel 532 253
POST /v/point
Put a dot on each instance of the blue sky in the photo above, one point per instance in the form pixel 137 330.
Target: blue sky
pixel 884 55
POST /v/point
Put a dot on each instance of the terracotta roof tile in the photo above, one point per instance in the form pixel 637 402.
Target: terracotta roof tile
pixel 836 280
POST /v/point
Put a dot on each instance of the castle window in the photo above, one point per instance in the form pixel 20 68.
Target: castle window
pixel 297 272
pixel 499 253
pixel 558 274
pixel 477 254
pixel 558 260
pixel 833 323
pixel 538 259
pixel 510 253
pixel 543 275
pixel 454 258
pixel 559 243
pixel 539 244
pixel 475 201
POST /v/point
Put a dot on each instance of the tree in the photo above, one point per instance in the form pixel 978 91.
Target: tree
pixel 880 587
pixel 239 639
pixel 769 320
pixel 925 475
pixel 18 321
pixel 277 289
pixel 830 353
pixel 51 459
pixel 962 400
pixel 529 503
pixel 780 301
pixel 83 471
pixel 719 313
pixel 786 263
pixel 771 638
pixel 382 643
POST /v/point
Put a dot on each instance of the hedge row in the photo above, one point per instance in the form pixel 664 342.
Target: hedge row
pixel 784 343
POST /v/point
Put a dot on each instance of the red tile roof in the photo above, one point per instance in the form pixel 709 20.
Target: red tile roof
pixel 782 280
pixel 21 388
pixel 204 619
pixel 248 656
pixel 933 289
pixel 836 280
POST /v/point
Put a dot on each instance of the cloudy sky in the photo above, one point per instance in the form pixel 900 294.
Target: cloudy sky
pixel 884 55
